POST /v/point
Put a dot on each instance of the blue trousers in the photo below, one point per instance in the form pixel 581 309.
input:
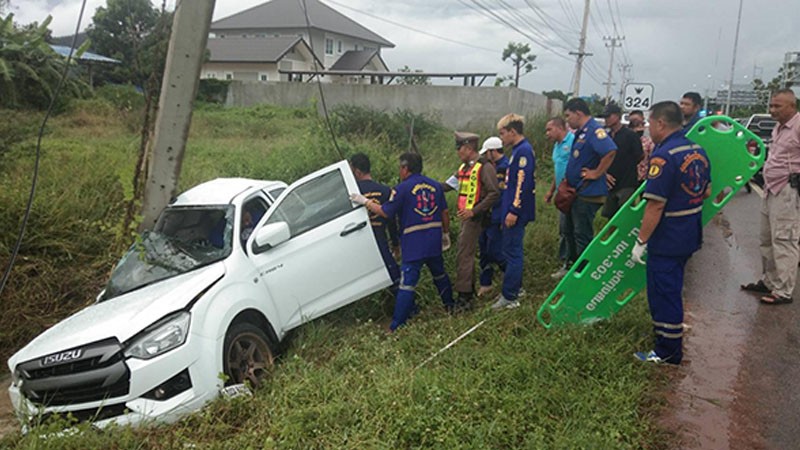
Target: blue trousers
pixel 664 286
pixel 404 305
pixel 565 236
pixel 580 227
pixel 512 253
pixel 391 264
pixel 491 253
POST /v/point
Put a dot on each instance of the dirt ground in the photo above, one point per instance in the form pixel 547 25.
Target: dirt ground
pixel 735 389
pixel 8 422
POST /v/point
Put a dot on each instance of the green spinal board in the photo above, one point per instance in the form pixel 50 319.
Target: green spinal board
pixel 604 279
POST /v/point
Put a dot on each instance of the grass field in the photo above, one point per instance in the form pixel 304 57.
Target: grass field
pixel 341 382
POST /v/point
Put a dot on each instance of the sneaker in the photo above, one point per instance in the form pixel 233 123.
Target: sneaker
pixel 648 357
pixel 504 303
pixel 484 290
pixel 560 273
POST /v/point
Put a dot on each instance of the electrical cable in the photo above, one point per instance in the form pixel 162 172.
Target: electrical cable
pixel 397 24
pixel 35 177
pixel 319 81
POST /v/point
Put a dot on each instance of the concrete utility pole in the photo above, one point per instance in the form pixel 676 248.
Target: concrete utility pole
pixel 614 42
pixel 187 46
pixel 733 62
pixel 581 53
pixel 626 70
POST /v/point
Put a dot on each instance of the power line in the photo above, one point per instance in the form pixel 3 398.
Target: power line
pixel 397 24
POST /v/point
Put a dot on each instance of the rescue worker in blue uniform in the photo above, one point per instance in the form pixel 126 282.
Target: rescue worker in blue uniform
pixel 372 190
pixel 490 241
pixel 419 204
pixel 691 103
pixel 593 151
pixel 517 206
pixel 678 181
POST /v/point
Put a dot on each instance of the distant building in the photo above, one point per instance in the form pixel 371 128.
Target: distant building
pixel 257 43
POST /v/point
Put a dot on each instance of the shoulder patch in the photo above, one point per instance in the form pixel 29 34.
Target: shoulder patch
pixel 523 161
pixel 656 167
pixel 600 133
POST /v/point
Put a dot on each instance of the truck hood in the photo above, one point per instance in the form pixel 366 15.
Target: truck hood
pixel 121 317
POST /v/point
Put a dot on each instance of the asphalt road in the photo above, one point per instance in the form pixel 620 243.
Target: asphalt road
pixel 737 388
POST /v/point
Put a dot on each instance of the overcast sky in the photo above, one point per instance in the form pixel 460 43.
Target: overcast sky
pixel 676 45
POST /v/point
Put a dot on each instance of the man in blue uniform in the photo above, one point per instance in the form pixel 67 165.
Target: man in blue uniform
pixel 491 240
pixel 593 152
pixel 678 181
pixel 419 204
pixel 380 193
pixel 517 206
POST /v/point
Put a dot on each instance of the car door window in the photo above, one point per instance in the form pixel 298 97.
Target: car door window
pixel 252 212
pixel 313 203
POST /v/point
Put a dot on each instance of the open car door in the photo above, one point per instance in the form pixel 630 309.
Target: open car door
pixel 315 250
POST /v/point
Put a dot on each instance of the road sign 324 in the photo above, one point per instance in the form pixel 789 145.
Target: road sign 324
pixel 638 95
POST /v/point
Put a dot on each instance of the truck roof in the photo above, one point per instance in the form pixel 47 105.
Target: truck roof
pixel 221 191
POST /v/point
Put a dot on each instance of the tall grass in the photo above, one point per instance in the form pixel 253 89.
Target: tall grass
pixel 341 383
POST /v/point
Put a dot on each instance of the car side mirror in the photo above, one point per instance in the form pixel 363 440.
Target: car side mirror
pixel 271 235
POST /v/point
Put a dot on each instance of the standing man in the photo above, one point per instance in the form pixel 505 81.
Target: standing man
pixel 637 124
pixel 622 177
pixel 678 181
pixel 419 203
pixel 563 139
pixel 518 206
pixel 477 193
pixel 491 240
pixel 592 154
pixel 780 209
pixel 380 193
pixel 691 102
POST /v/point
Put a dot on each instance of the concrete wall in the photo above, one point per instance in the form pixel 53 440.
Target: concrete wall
pixel 455 107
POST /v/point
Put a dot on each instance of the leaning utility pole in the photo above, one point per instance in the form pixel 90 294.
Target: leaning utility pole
pixel 733 62
pixel 581 53
pixel 615 42
pixel 187 46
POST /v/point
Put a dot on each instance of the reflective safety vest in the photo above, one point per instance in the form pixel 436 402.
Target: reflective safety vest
pixel 469 186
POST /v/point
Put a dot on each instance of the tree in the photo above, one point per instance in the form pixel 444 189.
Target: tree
pixel 29 69
pixel 133 32
pixel 3 5
pixel 557 95
pixel 521 58
pixel 417 80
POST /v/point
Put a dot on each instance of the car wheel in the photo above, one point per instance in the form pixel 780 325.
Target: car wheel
pixel 248 355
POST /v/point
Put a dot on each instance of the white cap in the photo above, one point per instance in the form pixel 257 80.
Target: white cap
pixel 492 143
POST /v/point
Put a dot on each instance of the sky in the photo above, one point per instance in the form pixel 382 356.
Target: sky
pixel 676 45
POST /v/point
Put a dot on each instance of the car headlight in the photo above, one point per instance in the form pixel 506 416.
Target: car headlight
pixel 163 336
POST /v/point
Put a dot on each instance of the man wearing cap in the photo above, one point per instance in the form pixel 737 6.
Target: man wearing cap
pixel 476 183
pixel 622 177
pixel 556 131
pixel 518 206
pixel 592 154
pixel 418 203
pixel 491 241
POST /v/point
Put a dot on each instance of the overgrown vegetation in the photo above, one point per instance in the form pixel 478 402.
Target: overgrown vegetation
pixel 341 383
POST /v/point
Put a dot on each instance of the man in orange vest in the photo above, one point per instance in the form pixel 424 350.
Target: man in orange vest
pixel 478 191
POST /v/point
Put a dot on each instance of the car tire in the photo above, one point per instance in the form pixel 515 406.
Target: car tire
pixel 248 355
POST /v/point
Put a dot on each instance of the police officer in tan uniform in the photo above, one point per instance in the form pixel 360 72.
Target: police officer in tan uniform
pixel 478 191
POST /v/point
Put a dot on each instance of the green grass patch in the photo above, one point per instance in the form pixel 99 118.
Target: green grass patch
pixel 341 383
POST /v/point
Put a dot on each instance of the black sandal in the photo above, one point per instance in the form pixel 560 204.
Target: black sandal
pixel 758 286
pixel 775 300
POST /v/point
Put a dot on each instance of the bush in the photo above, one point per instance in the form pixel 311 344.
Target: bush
pixel 124 97
pixel 212 91
pixel 357 121
pixel 15 127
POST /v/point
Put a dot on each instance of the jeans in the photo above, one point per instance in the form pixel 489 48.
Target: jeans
pixel 491 253
pixel 512 252
pixel 581 222
pixel 565 236
pixel 391 264
pixel 409 277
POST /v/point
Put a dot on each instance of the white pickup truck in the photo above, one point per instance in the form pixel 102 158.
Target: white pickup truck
pixel 231 266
